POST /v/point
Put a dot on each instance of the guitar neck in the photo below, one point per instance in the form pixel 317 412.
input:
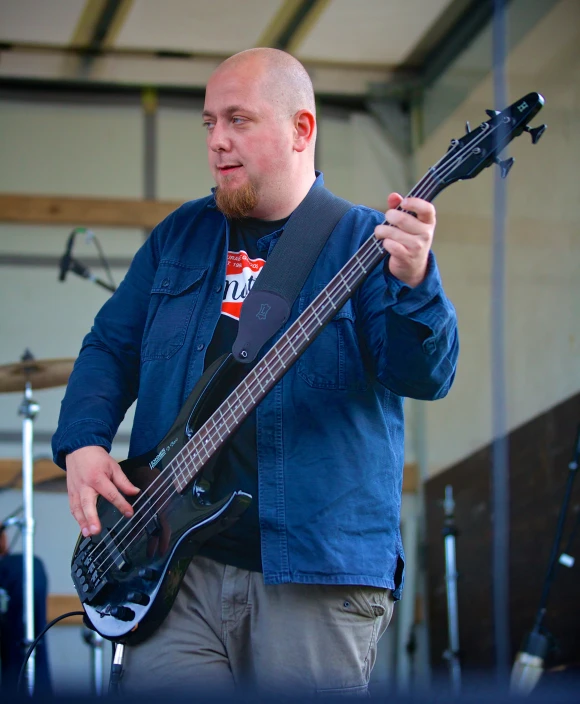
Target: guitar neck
pixel 272 367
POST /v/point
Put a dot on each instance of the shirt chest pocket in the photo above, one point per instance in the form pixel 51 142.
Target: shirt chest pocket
pixel 174 296
pixel 333 360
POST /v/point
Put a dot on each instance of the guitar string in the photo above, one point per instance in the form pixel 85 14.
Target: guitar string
pixel 166 481
pixel 172 474
pixel 429 176
pixel 212 423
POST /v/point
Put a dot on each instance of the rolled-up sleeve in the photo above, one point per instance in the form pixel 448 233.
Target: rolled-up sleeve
pixel 412 335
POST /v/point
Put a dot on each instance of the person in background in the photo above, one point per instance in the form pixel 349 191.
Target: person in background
pixel 12 633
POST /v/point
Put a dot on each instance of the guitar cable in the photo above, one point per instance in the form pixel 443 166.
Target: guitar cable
pixel 37 639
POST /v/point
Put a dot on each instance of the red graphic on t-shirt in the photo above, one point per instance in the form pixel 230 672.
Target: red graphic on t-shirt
pixel 241 274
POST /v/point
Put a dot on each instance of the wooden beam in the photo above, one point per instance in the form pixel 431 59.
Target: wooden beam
pixel 411 479
pixel 58 604
pixel 64 210
pixel 46 471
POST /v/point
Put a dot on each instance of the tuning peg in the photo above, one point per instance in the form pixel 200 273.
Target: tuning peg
pixel 467 128
pixel 535 132
pixel 505 165
pixel 493 113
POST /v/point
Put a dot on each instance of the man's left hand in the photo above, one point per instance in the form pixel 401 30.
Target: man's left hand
pixel 407 238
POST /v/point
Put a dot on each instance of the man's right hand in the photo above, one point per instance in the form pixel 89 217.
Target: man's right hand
pixel 90 472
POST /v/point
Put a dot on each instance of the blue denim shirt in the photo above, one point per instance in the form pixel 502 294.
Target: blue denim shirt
pixel 330 434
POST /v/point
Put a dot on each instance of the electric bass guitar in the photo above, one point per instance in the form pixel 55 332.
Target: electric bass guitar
pixel 128 575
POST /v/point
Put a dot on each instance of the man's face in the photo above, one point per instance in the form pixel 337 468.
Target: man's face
pixel 249 142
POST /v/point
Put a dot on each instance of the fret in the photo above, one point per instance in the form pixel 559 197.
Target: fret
pixel 204 448
pixel 279 357
pixel 231 409
pixel 235 407
pixel 347 286
pixel 259 380
pixel 303 330
pixel 358 261
pixel 248 389
pixel 217 427
pixel 210 440
pixel 332 303
pixel 315 312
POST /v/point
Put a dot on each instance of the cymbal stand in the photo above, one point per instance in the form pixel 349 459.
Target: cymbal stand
pixel 28 409
pixel 96 642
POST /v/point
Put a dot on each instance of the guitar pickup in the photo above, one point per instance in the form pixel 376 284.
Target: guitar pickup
pixel 113 551
pixel 153 526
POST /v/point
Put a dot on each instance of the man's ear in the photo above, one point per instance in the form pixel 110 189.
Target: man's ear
pixel 304 130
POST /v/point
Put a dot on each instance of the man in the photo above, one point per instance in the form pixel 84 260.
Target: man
pixel 298 592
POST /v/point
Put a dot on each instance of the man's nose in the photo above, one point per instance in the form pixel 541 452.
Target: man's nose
pixel 218 139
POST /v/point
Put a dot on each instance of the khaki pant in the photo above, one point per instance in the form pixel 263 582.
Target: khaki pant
pixel 227 631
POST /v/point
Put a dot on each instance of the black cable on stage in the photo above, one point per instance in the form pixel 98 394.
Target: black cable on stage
pixel 37 639
pixel 500 469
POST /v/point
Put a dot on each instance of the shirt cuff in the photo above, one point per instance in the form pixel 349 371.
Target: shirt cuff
pixel 425 303
pixel 76 436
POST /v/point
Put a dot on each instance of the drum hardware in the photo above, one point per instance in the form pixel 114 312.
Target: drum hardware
pixel 96 643
pixel 17 377
pixel 44 373
pixel 449 534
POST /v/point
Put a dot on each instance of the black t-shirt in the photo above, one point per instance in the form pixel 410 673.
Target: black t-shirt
pixel 236 467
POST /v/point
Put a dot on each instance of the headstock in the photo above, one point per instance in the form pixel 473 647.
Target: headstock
pixel 479 148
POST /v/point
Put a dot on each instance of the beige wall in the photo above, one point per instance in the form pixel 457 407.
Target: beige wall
pixel 542 244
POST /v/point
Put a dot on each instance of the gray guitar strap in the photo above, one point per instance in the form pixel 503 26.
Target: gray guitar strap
pixel 268 305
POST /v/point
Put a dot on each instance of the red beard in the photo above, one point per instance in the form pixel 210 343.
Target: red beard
pixel 238 202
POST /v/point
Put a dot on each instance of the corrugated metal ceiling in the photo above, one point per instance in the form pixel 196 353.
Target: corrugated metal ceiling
pixel 347 44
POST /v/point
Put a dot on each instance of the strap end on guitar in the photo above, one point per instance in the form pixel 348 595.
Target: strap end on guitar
pixel 263 314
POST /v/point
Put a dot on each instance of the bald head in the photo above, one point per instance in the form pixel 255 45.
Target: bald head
pixel 283 79
pixel 261 133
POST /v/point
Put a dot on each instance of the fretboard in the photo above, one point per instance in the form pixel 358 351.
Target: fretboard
pixel 272 367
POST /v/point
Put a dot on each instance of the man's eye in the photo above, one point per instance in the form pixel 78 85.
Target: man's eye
pixel 238 120
pixel 208 125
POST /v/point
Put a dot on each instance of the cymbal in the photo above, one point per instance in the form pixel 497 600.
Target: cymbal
pixel 42 374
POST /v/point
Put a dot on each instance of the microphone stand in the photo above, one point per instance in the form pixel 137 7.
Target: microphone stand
pixel 449 533
pixel 81 270
pixel 529 662
pixel 69 263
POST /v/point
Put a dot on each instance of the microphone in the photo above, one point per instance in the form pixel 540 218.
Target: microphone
pixel 66 257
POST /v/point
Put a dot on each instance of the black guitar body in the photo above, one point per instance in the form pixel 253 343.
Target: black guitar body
pixel 128 575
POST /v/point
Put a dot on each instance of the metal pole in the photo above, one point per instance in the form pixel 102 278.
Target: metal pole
pixel 28 409
pixel 500 458
pixel 98 664
pixel 95 642
pixel 449 532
